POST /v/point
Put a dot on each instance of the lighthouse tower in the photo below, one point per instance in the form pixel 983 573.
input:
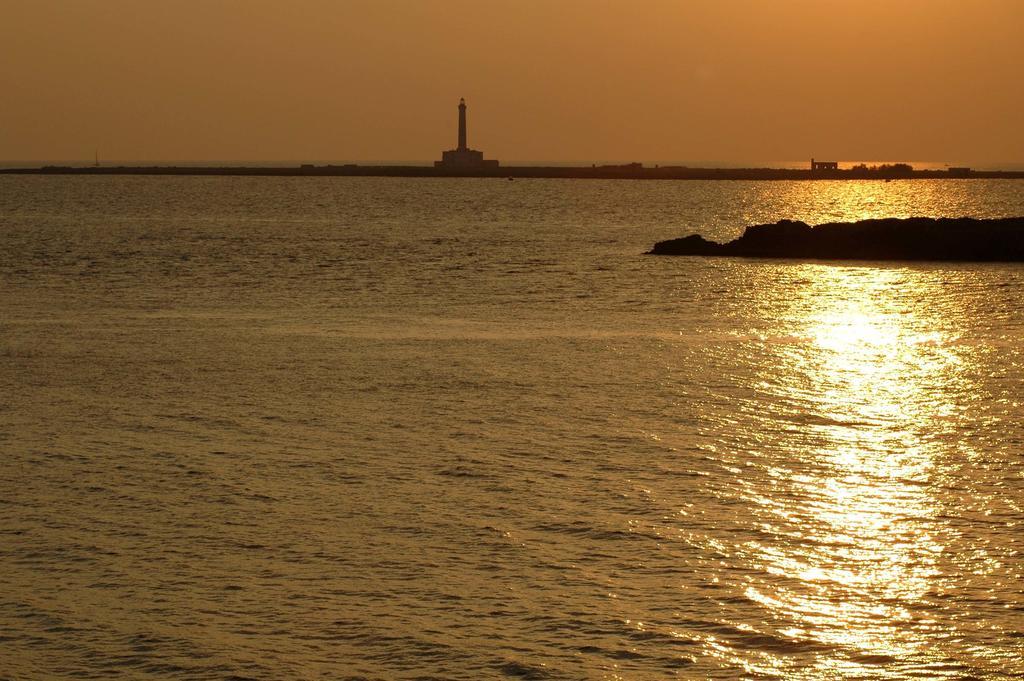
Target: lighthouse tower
pixel 462 158
pixel 462 125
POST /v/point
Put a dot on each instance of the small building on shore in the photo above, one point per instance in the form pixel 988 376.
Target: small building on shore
pixel 824 165
pixel 462 157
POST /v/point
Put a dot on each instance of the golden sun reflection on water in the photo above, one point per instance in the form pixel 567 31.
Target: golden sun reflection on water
pixel 867 200
pixel 870 377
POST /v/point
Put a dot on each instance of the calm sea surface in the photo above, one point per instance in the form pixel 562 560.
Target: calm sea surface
pixel 361 428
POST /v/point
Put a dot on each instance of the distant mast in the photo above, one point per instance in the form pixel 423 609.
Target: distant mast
pixel 462 125
pixel 97 161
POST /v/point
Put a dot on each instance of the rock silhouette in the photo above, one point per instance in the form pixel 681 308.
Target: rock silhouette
pixel 948 239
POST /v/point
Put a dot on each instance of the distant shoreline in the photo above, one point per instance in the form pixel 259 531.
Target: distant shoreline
pixel 602 172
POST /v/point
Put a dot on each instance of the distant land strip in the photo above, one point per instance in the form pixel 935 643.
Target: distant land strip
pixel 939 239
pixel 633 171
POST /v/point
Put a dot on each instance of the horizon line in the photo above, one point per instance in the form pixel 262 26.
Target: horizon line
pixel 690 163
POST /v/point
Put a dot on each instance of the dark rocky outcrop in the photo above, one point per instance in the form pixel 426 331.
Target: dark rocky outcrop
pixel 956 239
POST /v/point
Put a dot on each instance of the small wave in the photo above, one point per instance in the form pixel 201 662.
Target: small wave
pixel 750 639
pixel 520 670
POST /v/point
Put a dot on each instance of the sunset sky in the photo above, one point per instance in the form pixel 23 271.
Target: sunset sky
pixel 587 80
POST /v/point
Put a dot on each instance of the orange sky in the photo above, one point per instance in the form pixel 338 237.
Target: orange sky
pixel 550 80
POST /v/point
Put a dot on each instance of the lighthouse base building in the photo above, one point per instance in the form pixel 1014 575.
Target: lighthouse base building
pixel 464 158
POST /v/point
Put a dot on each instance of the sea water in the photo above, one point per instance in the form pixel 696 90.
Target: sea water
pixel 378 428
